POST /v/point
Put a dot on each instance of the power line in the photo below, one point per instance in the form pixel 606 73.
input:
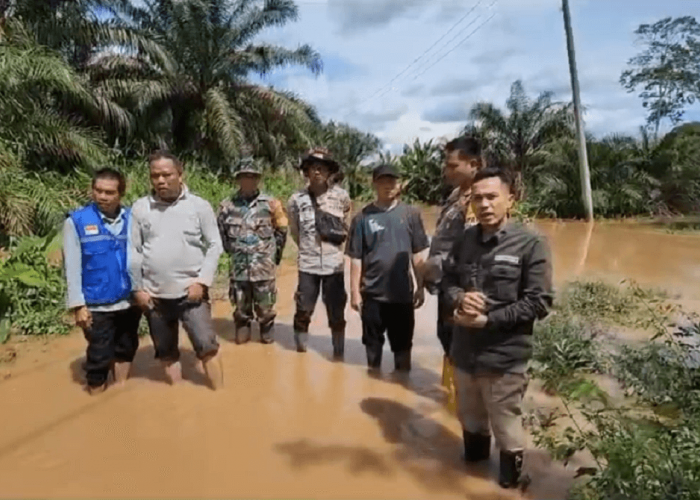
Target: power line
pixel 447 44
pixel 458 44
pixel 444 55
pixel 423 54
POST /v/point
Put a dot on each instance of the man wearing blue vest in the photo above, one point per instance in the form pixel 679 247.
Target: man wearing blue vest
pixel 99 288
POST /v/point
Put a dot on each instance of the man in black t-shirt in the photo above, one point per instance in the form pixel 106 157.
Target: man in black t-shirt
pixel 385 240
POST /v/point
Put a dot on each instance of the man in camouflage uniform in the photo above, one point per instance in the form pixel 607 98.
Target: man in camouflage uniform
pixel 462 160
pixel 321 262
pixel 253 229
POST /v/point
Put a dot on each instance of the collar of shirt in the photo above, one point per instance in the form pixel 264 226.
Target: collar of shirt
pixel 248 200
pixel 496 237
pixel 116 220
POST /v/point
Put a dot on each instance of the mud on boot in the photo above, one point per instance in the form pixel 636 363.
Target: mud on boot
pixel 338 345
pixel 301 339
pixel 402 361
pixel 242 334
pixel 511 471
pixel 477 447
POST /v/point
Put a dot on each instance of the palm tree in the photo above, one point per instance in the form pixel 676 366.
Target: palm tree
pixel 198 96
pixel 41 131
pixel 514 135
pixel 351 147
pixel 421 170
pixel 75 28
pixel 620 187
pixel 45 105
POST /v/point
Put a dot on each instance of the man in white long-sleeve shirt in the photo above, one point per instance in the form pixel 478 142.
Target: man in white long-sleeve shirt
pixel 99 291
pixel 174 251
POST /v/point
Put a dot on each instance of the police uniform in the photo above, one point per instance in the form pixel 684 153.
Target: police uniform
pixel 254 232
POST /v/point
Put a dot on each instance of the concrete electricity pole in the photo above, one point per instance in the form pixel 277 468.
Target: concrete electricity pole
pixel 581 134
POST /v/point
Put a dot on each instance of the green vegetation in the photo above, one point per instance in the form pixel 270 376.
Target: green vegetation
pixel 32 290
pixel 646 445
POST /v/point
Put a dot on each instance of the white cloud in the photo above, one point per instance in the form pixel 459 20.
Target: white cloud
pixel 369 42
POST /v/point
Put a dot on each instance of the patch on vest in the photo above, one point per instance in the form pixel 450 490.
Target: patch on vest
pixel 92 230
pixel 511 259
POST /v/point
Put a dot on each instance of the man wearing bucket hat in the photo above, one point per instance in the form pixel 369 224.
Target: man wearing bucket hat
pixel 318 217
pixel 253 229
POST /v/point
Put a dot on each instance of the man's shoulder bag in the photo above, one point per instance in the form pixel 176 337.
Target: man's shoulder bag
pixel 329 227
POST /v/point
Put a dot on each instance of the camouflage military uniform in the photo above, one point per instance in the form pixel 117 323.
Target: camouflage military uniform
pixel 254 233
pixel 455 215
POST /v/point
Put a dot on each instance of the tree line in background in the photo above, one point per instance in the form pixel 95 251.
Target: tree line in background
pixel 93 82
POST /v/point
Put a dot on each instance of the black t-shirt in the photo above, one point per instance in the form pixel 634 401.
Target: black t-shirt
pixel 385 241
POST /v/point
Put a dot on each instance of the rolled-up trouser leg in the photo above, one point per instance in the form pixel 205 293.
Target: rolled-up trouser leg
pixel 197 321
pixel 163 327
pixel 126 341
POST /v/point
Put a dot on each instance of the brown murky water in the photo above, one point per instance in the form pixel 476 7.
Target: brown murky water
pixel 286 425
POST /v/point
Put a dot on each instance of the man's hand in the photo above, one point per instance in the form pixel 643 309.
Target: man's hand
pixel 418 297
pixel 473 304
pixel 470 321
pixel 196 292
pixel 356 301
pixel 143 300
pixel 83 317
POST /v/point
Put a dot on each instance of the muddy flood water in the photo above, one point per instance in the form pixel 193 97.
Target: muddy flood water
pixel 286 425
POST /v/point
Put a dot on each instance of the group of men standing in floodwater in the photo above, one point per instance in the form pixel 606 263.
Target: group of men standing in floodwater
pixel 492 276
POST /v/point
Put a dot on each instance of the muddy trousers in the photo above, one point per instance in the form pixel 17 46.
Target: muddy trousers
pixel 112 337
pixel 164 320
pixel 334 297
pixel 492 402
pixel 257 297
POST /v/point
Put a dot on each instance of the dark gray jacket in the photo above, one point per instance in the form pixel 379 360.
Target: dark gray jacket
pixel 513 269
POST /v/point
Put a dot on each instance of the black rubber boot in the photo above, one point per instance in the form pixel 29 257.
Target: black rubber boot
pixel 402 361
pixel 374 359
pixel 242 334
pixel 301 339
pixel 477 447
pixel 511 471
pixel 267 333
pixel 338 344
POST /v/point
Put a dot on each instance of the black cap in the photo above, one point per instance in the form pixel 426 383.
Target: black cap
pixel 385 170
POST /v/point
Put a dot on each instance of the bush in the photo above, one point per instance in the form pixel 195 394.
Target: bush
pixel 596 300
pixel 32 289
pixel 562 346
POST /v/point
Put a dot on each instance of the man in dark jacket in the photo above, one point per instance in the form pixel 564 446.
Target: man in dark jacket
pixel 498 280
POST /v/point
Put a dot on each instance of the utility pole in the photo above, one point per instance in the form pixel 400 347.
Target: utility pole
pixel 580 133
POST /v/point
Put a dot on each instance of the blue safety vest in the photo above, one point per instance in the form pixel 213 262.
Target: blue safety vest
pixel 104 262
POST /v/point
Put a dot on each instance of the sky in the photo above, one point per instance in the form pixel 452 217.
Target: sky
pixel 412 69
